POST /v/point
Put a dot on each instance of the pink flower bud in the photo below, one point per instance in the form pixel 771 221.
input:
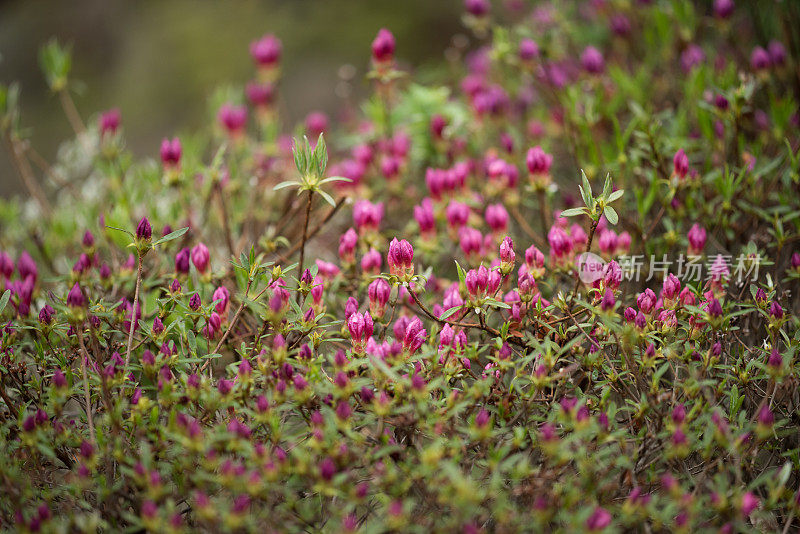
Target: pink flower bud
pixel 437 126
pixel 75 298
pixel 260 95
pixel 109 122
pixel 507 255
pixel 538 161
pixel 144 231
pixel 749 504
pixel 222 298
pixel 759 59
pixel 233 119
pixel 592 60
pixel 528 49
pixel 777 53
pixel 266 52
pixel 497 217
pixel 400 258
pixel 379 291
pixel 367 216
pixel 383 46
pixel 697 239
pixel 608 301
pixel 423 214
pixel 471 241
pixel 457 214
pixel 723 8
pixel 372 262
pixel 347 246
pixel 680 164
pixel 599 520
pixel 182 261
pixel 477 8
pixel 671 288
pixel 200 257
pixel 171 152
pixel 415 336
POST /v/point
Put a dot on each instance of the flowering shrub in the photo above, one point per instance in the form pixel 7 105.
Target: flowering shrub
pixel 555 292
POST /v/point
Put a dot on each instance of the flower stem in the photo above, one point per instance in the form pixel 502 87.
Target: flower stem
pixel 305 234
pixel 133 311
pixel 86 396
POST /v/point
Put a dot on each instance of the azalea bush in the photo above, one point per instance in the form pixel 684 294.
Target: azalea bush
pixel 547 286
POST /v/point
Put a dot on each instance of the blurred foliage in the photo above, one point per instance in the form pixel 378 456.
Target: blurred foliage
pixel 166 58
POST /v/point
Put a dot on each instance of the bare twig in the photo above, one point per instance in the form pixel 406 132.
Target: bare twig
pixel 86 396
pixel 133 312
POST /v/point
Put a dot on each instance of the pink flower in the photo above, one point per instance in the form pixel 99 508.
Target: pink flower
pixel 680 164
pixel 75 298
pixel 383 46
pixel 371 262
pixel 415 336
pixel 671 288
pixel 497 217
pixel 171 153
pixel 266 52
pixel 222 297
pixel 528 49
pixel 378 291
pixel 109 122
pixel 423 214
pixel 697 239
pixel 759 59
pixel 749 504
pixel 646 301
pixel 232 118
pixel 592 60
pixel 400 258
pixel 470 240
pixel 723 8
pixel 347 246
pixel 200 257
pixel 560 243
pixel 599 520
pixel 612 274
pixel 457 214
pixel 538 161
pixel 367 216
pixel 477 8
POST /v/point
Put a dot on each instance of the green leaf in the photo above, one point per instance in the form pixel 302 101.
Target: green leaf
pixel 172 235
pixel 611 215
pixel 56 62
pixel 615 195
pixel 783 475
pixel 320 155
pixel 121 230
pixel 572 212
pixel 190 338
pixel 216 161
pixel 461 274
pixel 327 197
pixel 335 179
pixel 607 186
pixel 285 184
pixel 450 312
pixel 4 299
pixel 586 190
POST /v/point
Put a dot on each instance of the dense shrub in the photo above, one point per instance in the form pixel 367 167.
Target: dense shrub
pixel 246 335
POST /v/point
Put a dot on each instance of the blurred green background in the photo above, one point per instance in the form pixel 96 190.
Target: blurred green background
pixel 159 61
